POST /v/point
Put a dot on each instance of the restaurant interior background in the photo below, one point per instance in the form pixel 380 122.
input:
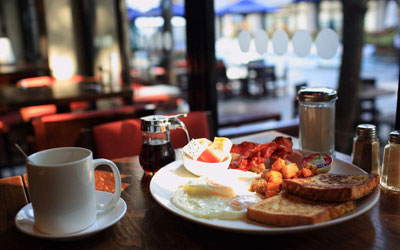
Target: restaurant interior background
pixel 164 50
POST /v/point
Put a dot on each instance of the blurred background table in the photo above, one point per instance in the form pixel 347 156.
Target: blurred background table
pixel 62 94
pixel 10 74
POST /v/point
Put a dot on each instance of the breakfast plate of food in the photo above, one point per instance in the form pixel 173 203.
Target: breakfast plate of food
pixel 266 188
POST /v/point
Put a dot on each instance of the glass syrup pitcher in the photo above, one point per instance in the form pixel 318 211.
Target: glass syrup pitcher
pixel 157 150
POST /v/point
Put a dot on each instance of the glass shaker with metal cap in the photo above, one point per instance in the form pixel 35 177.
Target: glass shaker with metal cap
pixel 157 150
pixel 390 177
pixel 365 152
pixel 317 119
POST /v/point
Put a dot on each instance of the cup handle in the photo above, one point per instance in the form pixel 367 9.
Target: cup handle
pixel 102 208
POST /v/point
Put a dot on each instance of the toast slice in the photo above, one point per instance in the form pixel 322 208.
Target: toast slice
pixel 332 187
pixel 289 210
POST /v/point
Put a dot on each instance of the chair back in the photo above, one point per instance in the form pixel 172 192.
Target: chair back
pixel 118 139
pixel 28 113
pixel 198 124
pixel 74 129
pixel 32 82
pixel 368 82
pixel 297 87
pixel 367 111
pixel 124 138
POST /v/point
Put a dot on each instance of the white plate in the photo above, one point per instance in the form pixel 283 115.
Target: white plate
pixel 170 177
pixel 25 221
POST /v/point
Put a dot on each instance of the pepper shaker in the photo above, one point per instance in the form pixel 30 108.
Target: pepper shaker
pixel 365 152
pixel 390 178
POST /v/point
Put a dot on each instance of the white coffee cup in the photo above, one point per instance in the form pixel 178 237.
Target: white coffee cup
pixel 62 189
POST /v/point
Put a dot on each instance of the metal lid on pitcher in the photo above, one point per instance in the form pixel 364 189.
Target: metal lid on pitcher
pixel 316 95
pixel 154 123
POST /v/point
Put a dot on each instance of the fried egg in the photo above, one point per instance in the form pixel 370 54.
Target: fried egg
pixel 224 198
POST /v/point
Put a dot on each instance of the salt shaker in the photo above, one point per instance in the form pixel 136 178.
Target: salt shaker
pixel 390 178
pixel 365 152
pixel 317 119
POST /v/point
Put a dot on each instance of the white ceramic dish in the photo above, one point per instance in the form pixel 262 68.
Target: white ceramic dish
pixel 25 221
pixel 200 168
pixel 170 177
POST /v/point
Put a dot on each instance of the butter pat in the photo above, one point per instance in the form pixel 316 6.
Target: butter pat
pixel 223 143
pixel 194 148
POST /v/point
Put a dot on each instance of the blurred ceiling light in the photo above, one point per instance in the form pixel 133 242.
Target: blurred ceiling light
pixel 149 22
pixel 178 21
pixel 142 5
pixel 62 67
pixel 236 73
pixel 6 51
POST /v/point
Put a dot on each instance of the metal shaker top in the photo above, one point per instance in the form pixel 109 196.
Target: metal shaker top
pixel 395 137
pixel 317 95
pixel 367 131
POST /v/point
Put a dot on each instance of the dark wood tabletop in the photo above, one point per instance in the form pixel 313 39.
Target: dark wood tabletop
pixel 61 94
pixel 147 225
pixel 11 74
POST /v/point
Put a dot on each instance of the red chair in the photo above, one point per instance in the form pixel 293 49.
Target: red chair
pixel 118 139
pixel 74 129
pixel 28 113
pixel 124 138
pixel 198 125
pixel 39 81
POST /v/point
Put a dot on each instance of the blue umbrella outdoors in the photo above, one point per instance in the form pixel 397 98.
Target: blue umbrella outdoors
pixel 133 13
pixel 246 7
pixel 177 10
pixel 296 1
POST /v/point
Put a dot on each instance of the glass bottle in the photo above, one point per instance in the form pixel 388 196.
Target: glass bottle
pixel 390 178
pixel 365 152
pixel 317 119
pixel 157 150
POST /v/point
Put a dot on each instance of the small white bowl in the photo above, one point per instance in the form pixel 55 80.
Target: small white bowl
pixel 201 168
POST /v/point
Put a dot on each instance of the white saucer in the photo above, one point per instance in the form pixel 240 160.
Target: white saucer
pixel 25 221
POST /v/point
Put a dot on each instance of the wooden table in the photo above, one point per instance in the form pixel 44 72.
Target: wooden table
pixel 10 74
pixel 367 93
pixel 147 225
pixel 60 94
pixel 234 120
pixel 368 97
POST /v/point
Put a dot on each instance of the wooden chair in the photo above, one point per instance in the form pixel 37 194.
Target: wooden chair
pixel 223 85
pixel 263 75
pixel 124 138
pixel 18 122
pixel 297 87
pixel 74 129
pixel 367 109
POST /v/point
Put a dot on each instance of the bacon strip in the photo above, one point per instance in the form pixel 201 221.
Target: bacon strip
pixel 253 154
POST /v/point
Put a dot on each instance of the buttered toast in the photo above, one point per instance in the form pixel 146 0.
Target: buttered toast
pixel 332 187
pixel 289 210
